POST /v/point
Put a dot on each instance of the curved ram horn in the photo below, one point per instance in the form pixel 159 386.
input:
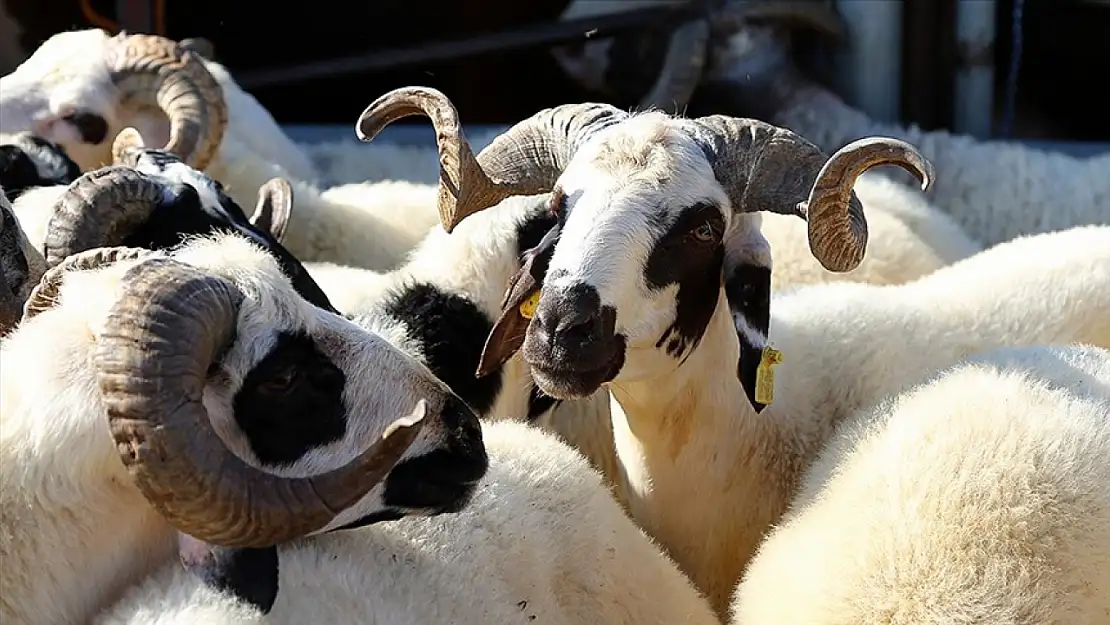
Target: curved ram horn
pixel 524 160
pixel 45 294
pixel 160 339
pixel 99 209
pixel 126 147
pixel 767 168
pixel 153 70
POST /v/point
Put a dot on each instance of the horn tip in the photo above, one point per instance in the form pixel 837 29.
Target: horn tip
pixel 416 417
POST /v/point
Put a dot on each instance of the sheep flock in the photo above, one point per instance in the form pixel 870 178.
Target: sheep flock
pixel 604 367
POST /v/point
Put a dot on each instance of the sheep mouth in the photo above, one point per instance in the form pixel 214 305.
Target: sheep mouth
pixel 575 382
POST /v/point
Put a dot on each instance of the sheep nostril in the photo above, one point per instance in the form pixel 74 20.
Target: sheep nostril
pixel 579 328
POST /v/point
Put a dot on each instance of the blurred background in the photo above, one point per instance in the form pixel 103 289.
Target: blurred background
pixel 1026 69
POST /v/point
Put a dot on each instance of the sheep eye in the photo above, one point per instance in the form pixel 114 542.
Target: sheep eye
pixel 703 233
pixel 279 382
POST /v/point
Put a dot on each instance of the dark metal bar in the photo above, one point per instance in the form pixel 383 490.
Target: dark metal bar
pixel 542 34
pixel 136 16
pixel 928 62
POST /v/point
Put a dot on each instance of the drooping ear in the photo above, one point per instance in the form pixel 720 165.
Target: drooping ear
pixel 199 45
pixel 274 208
pixel 508 332
pixel 251 575
pixel 748 291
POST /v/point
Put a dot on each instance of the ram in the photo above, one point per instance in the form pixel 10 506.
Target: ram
pixel 21 267
pixel 80 89
pixel 152 200
pixel 995 190
pixel 542 541
pixel 979 496
pixel 657 275
pixel 205 361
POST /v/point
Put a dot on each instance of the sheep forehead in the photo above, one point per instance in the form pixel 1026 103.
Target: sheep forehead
pixel 271 300
pixel 625 188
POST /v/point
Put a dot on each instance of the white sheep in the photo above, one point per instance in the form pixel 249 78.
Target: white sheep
pixel 21 267
pixel 659 276
pixel 80 89
pixel 542 541
pixel 996 190
pixel 202 364
pixel 979 496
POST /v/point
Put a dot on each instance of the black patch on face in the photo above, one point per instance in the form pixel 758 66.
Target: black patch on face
pixel 694 264
pixel 450 331
pixel 291 401
pixel 442 480
pixel 530 231
pixel 35 162
pixel 250 575
pixel 92 127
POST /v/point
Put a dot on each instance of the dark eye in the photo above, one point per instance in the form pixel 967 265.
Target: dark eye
pixel 703 233
pixel 278 383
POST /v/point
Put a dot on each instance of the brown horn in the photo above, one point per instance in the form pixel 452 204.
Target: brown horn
pixel 125 149
pixel 767 168
pixel 99 209
pixel 154 70
pixel 682 67
pixel 45 294
pixel 524 160
pixel 163 334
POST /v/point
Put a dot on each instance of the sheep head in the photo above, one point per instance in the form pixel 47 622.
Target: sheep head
pixel 647 205
pixel 151 199
pixel 80 88
pixel 248 417
pixel 21 267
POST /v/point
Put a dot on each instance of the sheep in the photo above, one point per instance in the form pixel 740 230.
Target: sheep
pixel 541 541
pixel 28 161
pixel 979 496
pixel 152 200
pixel 21 267
pixel 995 190
pixel 656 274
pixel 211 342
pixel 80 89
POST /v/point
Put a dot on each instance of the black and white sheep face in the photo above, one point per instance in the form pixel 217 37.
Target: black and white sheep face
pixel 301 391
pixel 63 93
pixel 28 161
pixel 637 266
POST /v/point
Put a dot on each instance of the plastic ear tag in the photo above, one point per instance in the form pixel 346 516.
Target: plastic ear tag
pixel 528 308
pixel 765 375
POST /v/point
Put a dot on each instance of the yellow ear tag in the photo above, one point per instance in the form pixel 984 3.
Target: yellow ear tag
pixel 765 375
pixel 528 308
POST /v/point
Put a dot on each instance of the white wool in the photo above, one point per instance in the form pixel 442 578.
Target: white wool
pixel 541 542
pixel 981 495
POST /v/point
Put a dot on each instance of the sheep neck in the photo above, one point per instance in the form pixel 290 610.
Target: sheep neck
pixel 705 475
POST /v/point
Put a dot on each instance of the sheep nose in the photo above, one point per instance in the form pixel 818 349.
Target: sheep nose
pixel 571 318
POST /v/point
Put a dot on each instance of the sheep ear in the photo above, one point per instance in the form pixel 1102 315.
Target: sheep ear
pixel 274 208
pixel 748 291
pixel 199 45
pixel 251 575
pixel 508 332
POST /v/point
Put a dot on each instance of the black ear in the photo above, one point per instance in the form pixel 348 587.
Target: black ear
pixel 508 332
pixel 748 291
pixel 274 208
pixel 249 574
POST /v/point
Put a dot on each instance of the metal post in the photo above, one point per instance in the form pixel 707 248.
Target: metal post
pixel 974 98
pixel 872 60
